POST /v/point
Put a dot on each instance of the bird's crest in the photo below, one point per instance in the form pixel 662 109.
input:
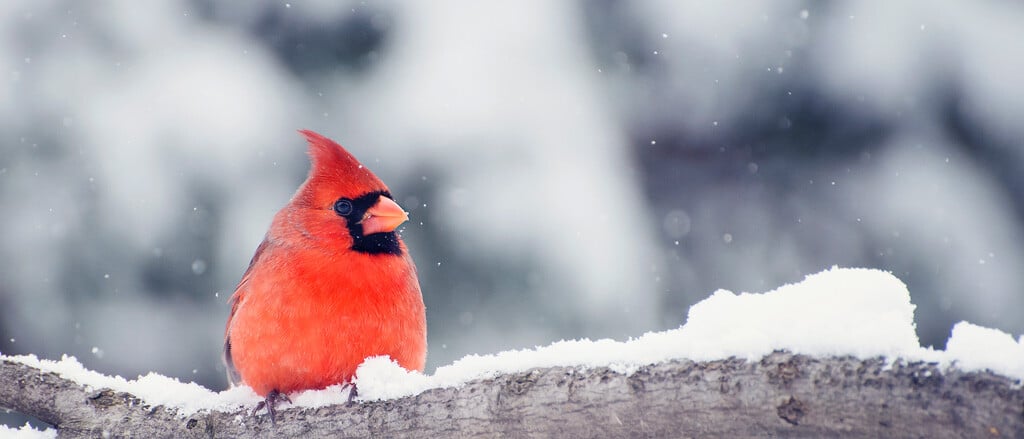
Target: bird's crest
pixel 334 173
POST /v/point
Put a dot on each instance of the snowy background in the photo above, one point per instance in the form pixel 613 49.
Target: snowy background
pixel 585 169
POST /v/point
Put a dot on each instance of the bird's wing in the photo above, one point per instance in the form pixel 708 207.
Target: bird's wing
pixel 233 376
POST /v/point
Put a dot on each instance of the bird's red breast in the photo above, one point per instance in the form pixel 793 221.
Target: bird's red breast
pixel 331 284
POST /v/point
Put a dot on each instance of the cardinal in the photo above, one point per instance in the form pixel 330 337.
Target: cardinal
pixel 331 284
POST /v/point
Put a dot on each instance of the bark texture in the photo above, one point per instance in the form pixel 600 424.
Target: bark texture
pixel 782 395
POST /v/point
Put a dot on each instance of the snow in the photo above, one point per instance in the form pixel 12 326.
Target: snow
pixel 859 312
pixel 153 388
pixel 842 311
pixel 27 432
pixel 976 348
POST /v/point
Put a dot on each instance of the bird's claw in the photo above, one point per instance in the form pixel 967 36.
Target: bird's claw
pixel 352 392
pixel 270 402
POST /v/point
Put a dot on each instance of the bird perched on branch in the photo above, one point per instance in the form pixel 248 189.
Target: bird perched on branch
pixel 331 284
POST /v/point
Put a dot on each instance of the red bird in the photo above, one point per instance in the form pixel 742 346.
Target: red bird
pixel 331 284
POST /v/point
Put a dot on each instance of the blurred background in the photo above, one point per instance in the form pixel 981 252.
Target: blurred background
pixel 572 169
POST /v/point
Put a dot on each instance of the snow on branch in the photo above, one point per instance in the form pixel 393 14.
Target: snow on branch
pixel 782 395
pixel 833 355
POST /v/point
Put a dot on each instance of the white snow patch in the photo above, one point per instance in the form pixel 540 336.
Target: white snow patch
pixel 27 432
pixel 385 379
pixel 153 388
pixel 841 311
pixel 336 394
pixel 859 312
pixel 973 347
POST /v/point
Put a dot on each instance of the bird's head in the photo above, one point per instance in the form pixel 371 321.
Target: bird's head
pixel 343 204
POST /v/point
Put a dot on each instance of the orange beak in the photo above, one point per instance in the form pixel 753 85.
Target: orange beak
pixel 385 216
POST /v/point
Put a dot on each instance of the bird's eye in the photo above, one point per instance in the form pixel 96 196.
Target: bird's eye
pixel 343 206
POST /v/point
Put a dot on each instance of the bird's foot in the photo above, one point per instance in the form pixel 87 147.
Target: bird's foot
pixel 352 392
pixel 270 402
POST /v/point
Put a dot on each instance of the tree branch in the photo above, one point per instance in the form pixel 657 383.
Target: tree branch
pixel 781 395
